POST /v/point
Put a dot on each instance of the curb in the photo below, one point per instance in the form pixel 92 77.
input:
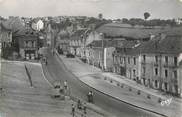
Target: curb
pixel 112 96
pixel 75 99
pixel 57 55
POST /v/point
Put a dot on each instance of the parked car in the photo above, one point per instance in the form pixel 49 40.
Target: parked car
pixel 69 55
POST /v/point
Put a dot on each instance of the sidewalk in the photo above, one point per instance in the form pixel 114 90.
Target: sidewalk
pixel 124 89
pixel 19 99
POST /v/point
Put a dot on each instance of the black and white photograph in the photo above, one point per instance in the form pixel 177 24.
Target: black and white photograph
pixel 90 58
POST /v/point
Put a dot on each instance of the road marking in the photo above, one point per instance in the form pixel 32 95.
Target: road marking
pixel 45 77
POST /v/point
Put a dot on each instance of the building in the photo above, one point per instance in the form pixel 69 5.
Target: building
pixel 159 63
pixel 37 24
pixel 155 63
pixel 118 32
pixel 5 40
pixel 63 41
pixel 27 41
pixel 76 42
pixel 99 54
pixel 122 65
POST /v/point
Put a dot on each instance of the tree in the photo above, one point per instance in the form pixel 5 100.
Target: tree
pixel 146 15
pixel 125 20
pixel 100 16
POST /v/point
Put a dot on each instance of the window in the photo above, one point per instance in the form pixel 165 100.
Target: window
pixel 121 60
pixel 144 70
pixel 25 43
pixel 156 83
pixel 144 58
pixel 175 74
pixel 124 60
pixel 134 73
pixel 156 59
pixel 128 60
pixel 175 61
pixel 32 43
pixel 134 61
pixel 156 71
pixel 166 73
pixel 166 59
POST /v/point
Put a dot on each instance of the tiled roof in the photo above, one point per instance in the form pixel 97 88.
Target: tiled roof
pixel 26 32
pixel 76 35
pixel 171 44
pixel 63 34
pixel 13 24
pixel 113 43
pixel 126 30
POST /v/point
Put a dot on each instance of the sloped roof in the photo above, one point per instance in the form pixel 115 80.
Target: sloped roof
pixel 174 31
pixel 171 44
pixel 76 35
pixel 13 24
pixel 26 32
pixel 126 30
pixel 64 34
pixel 113 43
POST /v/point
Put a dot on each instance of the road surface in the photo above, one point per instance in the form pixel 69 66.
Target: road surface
pixel 58 72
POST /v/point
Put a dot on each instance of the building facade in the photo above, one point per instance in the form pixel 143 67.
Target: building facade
pixel 155 63
pixel 27 41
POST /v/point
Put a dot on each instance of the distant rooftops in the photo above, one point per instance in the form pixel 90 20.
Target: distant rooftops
pixel 169 44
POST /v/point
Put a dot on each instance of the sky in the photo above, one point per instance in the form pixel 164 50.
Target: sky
pixel 111 9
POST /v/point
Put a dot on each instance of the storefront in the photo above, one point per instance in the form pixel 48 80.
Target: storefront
pixel 30 54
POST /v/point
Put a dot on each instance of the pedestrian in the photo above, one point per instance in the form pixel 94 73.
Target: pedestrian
pixel 65 85
pixel 79 105
pixel 84 109
pixel 46 61
pixel 89 96
pixel 73 110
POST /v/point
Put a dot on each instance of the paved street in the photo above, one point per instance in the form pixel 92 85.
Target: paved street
pixel 58 71
pixel 118 87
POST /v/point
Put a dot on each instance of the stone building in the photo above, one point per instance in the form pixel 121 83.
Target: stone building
pixel 156 63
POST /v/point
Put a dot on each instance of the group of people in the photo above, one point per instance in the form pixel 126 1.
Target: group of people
pixel 81 107
pixel 59 89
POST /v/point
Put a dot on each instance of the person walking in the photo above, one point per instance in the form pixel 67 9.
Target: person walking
pixel 79 105
pixel 65 85
pixel 73 110
pixel 84 109
pixel 89 96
